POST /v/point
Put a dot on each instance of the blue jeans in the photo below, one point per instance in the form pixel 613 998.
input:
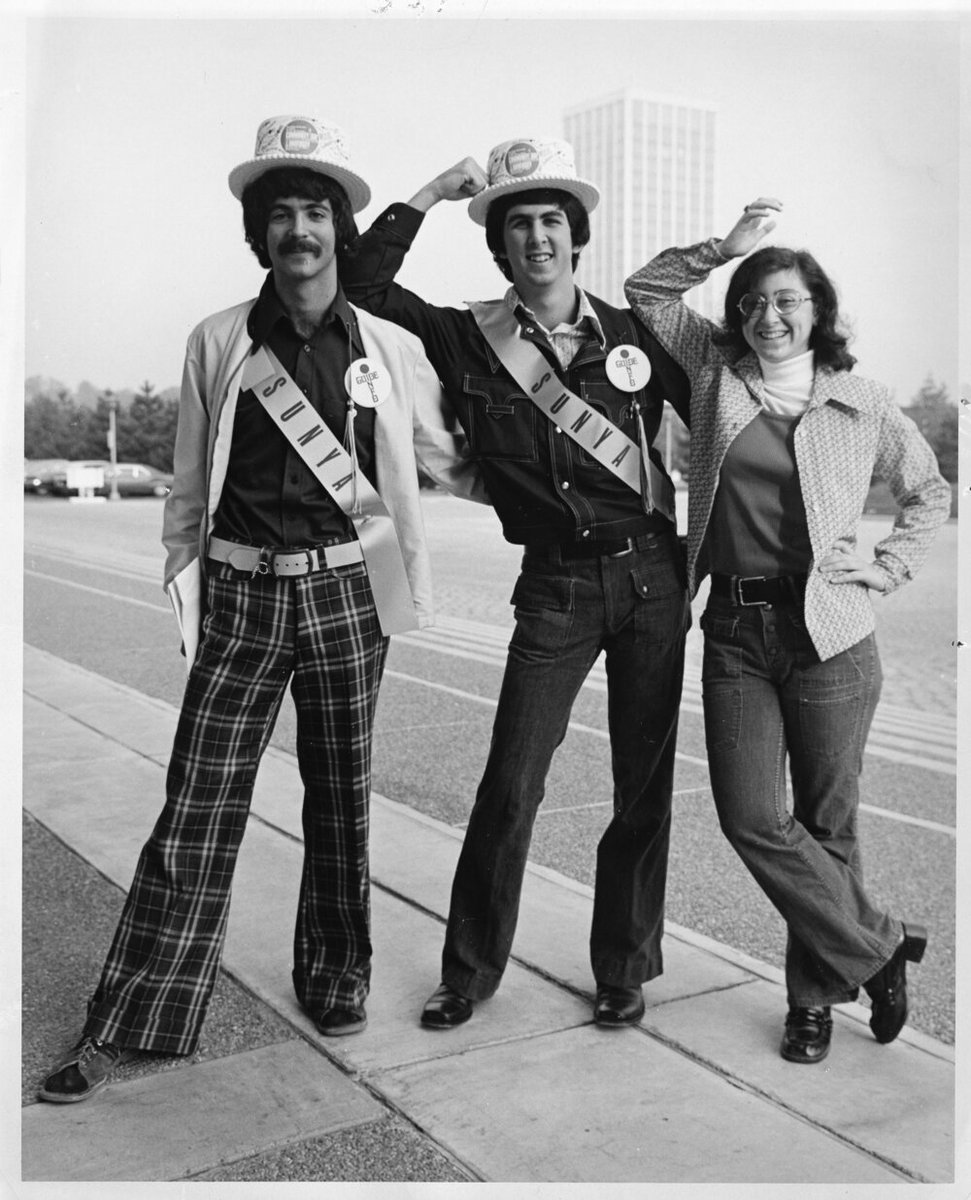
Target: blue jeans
pixel 635 609
pixel 766 696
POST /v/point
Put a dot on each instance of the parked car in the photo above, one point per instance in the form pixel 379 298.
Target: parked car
pixel 133 479
pixel 137 479
pixel 39 473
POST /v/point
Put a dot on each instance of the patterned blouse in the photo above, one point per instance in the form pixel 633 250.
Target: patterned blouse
pixel 851 431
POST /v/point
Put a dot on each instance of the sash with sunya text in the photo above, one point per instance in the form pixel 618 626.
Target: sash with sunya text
pixel 337 473
pixel 591 430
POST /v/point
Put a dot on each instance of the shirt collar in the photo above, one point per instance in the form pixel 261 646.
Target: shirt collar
pixel 585 312
pixel 268 310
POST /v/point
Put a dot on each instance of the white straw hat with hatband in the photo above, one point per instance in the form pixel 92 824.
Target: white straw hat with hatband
pixel 301 142
pixel 522 164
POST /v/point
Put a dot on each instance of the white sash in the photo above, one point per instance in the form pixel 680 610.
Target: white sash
pixel 305 430
pixel 601 439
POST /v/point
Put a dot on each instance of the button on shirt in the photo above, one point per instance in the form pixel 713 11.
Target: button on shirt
pixel 271 497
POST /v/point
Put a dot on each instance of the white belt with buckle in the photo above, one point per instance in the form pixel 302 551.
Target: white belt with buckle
pixel 260 561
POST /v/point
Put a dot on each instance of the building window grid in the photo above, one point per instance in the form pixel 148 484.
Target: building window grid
pixel 654 163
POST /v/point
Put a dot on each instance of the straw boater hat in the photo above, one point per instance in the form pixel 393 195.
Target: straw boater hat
pixel 527 163
pixel 301 142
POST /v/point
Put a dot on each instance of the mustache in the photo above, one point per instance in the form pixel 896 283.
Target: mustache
pixel 299 245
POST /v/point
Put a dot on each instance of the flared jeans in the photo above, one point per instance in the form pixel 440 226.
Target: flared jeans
pixel 633 608
pixel 767 699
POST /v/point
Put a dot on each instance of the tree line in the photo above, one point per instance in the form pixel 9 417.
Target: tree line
pixel 57 426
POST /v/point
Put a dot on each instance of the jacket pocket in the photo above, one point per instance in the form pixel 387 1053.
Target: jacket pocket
pixel 502 419
pixel 609 402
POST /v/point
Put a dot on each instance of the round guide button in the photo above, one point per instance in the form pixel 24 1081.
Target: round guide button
pixel 367 382
pixel 628 368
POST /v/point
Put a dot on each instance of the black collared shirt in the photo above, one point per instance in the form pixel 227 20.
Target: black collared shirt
pixel 270 496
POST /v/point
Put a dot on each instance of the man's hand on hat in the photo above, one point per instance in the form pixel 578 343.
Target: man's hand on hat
pixel 460 182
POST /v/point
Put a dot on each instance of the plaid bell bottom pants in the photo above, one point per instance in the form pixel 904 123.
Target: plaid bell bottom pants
pixel 320 634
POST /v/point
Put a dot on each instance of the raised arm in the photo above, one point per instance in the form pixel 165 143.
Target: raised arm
pixel 655 291
pixel 461 182
pixel 369 267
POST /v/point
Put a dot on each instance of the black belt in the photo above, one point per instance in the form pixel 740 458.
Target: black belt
pixel 760 589
pixel 617 548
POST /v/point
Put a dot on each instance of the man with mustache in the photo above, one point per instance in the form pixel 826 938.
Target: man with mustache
pixel 295 514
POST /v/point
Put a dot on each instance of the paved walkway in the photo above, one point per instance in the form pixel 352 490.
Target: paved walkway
pixel 529 1089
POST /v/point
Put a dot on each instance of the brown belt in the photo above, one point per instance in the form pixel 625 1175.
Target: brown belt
pixel 258 560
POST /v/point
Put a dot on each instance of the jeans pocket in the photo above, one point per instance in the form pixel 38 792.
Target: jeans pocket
pixel 836 699
pixel 721 676
pixel 544 609
pixel 662 613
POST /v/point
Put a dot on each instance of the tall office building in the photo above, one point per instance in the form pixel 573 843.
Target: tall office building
pixel 653 159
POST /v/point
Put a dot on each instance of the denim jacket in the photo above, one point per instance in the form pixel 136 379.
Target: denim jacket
pixel 545 488
pixel 851 431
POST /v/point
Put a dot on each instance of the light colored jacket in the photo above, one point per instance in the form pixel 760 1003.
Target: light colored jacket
pixel 851 431
pixel 412 426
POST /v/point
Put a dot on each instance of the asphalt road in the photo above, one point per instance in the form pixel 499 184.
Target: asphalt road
pixel 92 595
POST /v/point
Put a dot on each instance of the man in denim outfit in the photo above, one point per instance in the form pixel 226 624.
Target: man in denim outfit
pixel 601 570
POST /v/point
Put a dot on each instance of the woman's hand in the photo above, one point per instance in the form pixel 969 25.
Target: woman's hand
pixel 843 566
pixel 751 227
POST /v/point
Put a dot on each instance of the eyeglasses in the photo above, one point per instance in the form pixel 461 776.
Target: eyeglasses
pixel 784 303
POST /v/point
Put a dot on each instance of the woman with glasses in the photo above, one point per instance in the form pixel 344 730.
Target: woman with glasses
pixel 785 441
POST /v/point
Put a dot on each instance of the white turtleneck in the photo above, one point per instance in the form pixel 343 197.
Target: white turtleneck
pixel 788 384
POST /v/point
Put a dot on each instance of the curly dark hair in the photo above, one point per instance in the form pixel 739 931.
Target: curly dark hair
pixel 280 182
pixel 576 216
pixel 828 339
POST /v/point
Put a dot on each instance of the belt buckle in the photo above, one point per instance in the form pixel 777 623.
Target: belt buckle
pixel 309 557
pixel 624 553
pixel 739 592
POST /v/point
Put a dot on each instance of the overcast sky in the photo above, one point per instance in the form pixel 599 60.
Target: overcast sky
pixel 132 126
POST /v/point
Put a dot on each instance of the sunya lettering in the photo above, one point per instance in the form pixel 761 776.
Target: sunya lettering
pixel 274 386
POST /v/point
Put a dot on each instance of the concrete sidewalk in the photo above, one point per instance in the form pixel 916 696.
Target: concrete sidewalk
pixel 530 1089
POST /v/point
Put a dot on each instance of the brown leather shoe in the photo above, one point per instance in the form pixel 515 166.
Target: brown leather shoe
pixel 85 1071
pixel 888 988
pixel 445 1008
pixel 616 1007
pixel 807 1035
pixel 339 1022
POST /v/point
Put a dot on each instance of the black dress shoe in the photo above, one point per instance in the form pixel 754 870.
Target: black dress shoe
pixel 618 1006
pixel 888 988
pixel 445 1008
pixel 807 1035
pixel 339 1022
